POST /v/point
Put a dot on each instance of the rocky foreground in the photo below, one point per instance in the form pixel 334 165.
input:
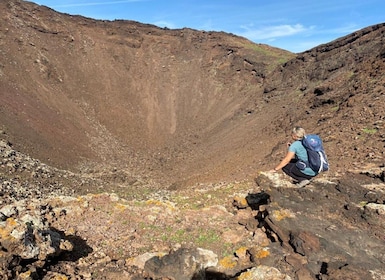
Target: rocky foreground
pixel 263 229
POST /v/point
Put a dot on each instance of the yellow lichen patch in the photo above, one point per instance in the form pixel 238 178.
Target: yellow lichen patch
pixel 5 233
pixel 282 214
pixel 121 207
pixel 11 222
pixel 245 276
pixel 7 228
pixel 228 262
pixel 241 252
pixel 154 202
pixel 160 204
pixel 240 201
pixel 263 253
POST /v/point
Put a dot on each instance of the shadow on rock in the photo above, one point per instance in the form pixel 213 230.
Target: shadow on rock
pixel 80 249
pixel 255 200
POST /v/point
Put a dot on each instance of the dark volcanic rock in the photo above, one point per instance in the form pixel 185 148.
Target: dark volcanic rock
pixel 316 223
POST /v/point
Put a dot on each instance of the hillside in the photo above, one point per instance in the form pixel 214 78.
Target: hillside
pixel 337 89
pixel 121 142
pixel 78 90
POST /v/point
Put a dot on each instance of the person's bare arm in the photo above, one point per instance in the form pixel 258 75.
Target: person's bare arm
pixel 289 156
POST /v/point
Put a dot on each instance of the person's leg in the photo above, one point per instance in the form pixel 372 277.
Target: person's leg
pixel 292 170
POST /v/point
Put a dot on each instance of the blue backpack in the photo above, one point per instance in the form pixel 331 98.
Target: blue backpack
pixel 317 159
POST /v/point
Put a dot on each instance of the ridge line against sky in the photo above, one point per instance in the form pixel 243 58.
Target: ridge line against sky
pixel 293 25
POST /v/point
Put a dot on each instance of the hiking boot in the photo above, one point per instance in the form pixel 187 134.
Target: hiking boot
pixel 303 183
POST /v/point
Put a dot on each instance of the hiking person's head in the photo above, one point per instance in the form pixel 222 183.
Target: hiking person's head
pixel 298 133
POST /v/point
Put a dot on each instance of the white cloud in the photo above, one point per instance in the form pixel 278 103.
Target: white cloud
pixel 272 32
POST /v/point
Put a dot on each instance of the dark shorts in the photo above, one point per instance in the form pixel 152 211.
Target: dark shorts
pixel 292 170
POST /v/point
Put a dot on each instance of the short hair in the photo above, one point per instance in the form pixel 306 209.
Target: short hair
pixel 299 132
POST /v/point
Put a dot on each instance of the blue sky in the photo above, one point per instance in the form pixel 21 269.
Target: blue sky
pixel 293 25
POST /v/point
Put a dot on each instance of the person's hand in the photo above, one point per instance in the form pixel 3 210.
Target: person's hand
pixel 273 170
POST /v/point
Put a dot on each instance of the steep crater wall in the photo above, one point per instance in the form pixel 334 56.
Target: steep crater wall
pixel 77 89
